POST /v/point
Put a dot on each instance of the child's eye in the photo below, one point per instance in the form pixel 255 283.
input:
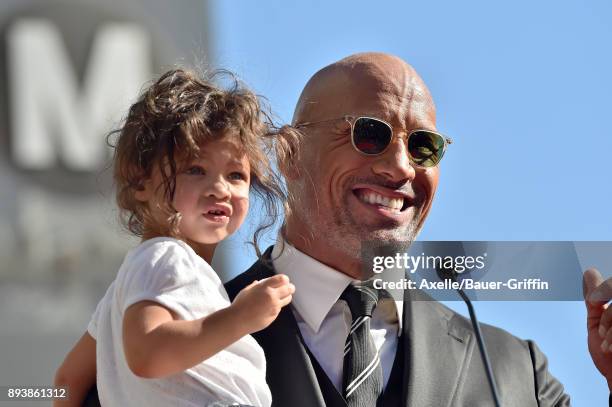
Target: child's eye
pixel 239 176
pixel 195 170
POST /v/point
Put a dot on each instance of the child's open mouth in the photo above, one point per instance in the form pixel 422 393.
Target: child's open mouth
pixel 216 215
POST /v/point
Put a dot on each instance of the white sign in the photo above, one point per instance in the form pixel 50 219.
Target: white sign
pixel 53 116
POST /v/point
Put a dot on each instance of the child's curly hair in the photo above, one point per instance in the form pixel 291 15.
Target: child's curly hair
pixel 167 126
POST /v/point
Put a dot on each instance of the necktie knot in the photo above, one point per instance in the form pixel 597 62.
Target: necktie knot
pixel 361 299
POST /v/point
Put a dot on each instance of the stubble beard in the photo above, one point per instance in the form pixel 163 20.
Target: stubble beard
pixel 354 238
pixel 338 227
pixel 346 234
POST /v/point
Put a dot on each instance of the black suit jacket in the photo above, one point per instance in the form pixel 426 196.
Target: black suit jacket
pixel 442 364
pixel 441 358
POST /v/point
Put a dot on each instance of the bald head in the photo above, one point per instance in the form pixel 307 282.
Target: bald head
pixel 342 88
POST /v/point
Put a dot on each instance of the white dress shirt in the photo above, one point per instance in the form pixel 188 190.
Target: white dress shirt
pixel 324 321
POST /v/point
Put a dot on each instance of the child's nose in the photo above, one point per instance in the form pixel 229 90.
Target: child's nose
pixel 219 190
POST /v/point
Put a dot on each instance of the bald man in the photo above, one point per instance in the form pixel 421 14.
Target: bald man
pixel 345 190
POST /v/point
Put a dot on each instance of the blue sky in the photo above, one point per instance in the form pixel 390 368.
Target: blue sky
pixel 522 88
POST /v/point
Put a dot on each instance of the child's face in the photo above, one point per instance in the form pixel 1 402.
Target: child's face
pixel 212 193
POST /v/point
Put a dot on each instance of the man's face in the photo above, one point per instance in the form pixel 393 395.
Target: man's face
pixel 348 198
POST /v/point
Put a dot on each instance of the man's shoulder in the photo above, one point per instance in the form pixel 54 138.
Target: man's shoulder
pixel 461 326
pixel 259 270
pixel 519 361
pixel 501 342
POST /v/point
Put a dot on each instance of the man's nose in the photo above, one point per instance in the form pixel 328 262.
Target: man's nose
pixel 394 163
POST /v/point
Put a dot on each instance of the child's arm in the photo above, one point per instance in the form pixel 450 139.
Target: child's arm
pixel 77 372
pixel 156 344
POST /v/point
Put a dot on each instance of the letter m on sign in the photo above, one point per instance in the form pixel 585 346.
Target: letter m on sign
pixel 52 116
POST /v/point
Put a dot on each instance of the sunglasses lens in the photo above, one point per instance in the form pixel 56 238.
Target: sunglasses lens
pixel 426 148
pixel 371 136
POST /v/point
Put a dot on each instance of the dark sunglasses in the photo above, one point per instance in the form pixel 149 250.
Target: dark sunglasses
pixel 371 136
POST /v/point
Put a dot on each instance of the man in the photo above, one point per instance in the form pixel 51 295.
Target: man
pixel 346 189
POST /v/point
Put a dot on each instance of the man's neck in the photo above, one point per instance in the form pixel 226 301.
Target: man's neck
pixel 318 249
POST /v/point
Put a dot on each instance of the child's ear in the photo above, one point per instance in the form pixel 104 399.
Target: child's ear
pixel 144 190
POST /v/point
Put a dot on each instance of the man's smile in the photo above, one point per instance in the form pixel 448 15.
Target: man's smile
pixel 384 201
pixel 375 198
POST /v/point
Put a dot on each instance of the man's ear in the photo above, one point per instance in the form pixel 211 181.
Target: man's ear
pixel 289 169
pixel 287 152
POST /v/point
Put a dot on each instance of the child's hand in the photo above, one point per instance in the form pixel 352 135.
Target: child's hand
pixel 260 302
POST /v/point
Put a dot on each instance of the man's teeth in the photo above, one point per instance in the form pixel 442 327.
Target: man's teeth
pixel 377 199
pixel 216 212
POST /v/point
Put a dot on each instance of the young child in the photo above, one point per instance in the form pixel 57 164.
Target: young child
pixel 165 333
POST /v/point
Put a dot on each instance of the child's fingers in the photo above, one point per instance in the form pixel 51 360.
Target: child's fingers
pixel 275 281
pixel 285 290
pixel 285 301
pixel 255 282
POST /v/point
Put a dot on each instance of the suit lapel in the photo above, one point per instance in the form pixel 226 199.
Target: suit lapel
pixel 436 352
pixel 290 373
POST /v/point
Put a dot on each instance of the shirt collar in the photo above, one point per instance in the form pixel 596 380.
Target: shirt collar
pixel 317 286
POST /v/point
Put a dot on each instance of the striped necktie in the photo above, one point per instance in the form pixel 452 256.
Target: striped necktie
pixel 362 378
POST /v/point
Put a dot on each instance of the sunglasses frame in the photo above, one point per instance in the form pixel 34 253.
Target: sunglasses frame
pixel 353 119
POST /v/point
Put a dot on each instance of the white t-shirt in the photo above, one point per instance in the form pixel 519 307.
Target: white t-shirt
pixel 169 272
